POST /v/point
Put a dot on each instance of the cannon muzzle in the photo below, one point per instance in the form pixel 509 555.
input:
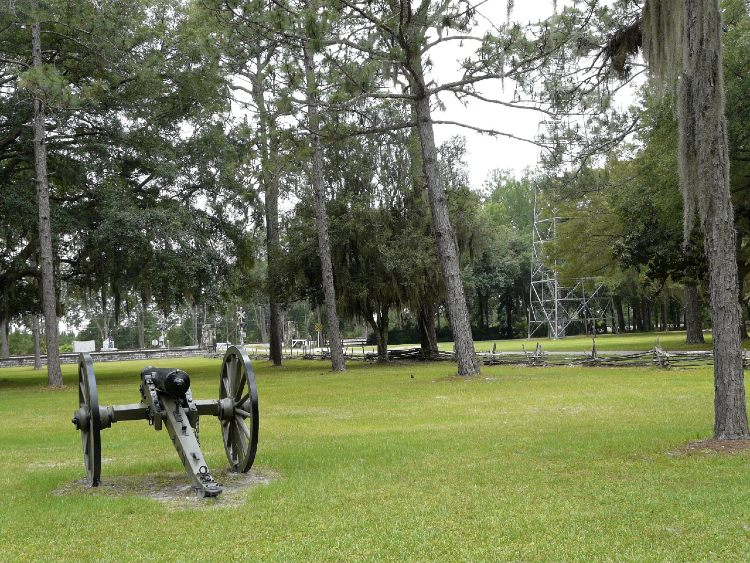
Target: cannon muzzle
pixel 173 382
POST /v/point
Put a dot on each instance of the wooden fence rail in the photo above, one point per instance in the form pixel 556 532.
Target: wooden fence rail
pixel 539 357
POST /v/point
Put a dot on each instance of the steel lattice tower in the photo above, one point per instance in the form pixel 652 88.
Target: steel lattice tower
pixel 552 304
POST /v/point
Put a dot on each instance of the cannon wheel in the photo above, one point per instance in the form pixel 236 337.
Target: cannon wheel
pixel 88 403
pixel 239 422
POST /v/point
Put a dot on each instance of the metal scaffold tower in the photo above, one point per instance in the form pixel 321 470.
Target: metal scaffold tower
pixel 553 305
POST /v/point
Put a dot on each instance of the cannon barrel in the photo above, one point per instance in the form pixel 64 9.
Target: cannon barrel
pixel 173 382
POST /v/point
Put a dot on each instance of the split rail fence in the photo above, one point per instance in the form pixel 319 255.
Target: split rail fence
pixel 538 357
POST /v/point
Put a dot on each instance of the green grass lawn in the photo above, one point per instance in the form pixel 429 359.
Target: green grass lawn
pixel 520 463
pixel 631 342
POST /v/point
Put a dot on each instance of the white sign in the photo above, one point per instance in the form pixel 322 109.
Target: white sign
pixel 84 346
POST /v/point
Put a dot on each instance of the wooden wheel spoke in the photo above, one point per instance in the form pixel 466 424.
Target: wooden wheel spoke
pixel 232 375
pixel 239 444
pixel 245 430
pixel 225 430
pixel 230 443
pixel 225 382
pixel 241 385
pixel 243 413
pixel 235 445
pixel 238 378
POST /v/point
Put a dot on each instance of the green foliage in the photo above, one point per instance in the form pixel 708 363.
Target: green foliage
pixel 145 181
pixel 736 68
pixel 48 84
pixel 624 220
pixel 155 186
pixel 497 280
pixel 374 215
pixel 21 343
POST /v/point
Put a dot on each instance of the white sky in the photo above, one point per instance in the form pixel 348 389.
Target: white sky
pixel 485 153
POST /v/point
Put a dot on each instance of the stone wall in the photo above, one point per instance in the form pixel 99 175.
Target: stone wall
pixel 110 356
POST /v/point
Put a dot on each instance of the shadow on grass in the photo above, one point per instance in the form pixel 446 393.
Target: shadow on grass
pixel 110 372
pixel 199 369
pixel 40 383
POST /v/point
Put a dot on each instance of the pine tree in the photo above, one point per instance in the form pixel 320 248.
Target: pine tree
pixel 682 43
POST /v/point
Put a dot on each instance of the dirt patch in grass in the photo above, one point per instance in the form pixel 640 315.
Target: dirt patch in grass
pixel 173 489
pixel 711 445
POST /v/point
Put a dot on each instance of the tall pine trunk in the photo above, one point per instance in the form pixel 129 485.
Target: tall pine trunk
pixel 480 309
pixel 427 334
pixel 321 215
pixel 693 321
pixel 509 315
pixel 379 326
pixel 37 346
pixel 619 316
pixel 273 249
pixel 741 296
pixel 446 244
pixel 260 319
pixel 704 165
pixel 49 299
pixel 637 317
pixel 141 321
pixel 194 327
pixel 4 347
pixel 270 181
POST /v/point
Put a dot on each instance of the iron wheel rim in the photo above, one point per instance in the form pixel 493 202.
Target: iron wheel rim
pixel 237 381
pixel 88 398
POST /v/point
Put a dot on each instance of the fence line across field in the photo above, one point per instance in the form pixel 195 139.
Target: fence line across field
pixel 357 350
pixel 656 356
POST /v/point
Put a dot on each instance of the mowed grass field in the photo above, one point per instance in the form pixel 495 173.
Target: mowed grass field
pixel 402 462
pixel 630 342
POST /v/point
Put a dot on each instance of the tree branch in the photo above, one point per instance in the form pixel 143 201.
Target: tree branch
pixel 490 132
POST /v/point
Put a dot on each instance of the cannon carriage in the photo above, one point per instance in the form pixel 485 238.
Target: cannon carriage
pixel 167 401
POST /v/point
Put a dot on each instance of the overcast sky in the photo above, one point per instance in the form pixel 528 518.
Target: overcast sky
pixel 484 152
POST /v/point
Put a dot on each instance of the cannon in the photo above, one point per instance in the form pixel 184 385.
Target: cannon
pixel 167 401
